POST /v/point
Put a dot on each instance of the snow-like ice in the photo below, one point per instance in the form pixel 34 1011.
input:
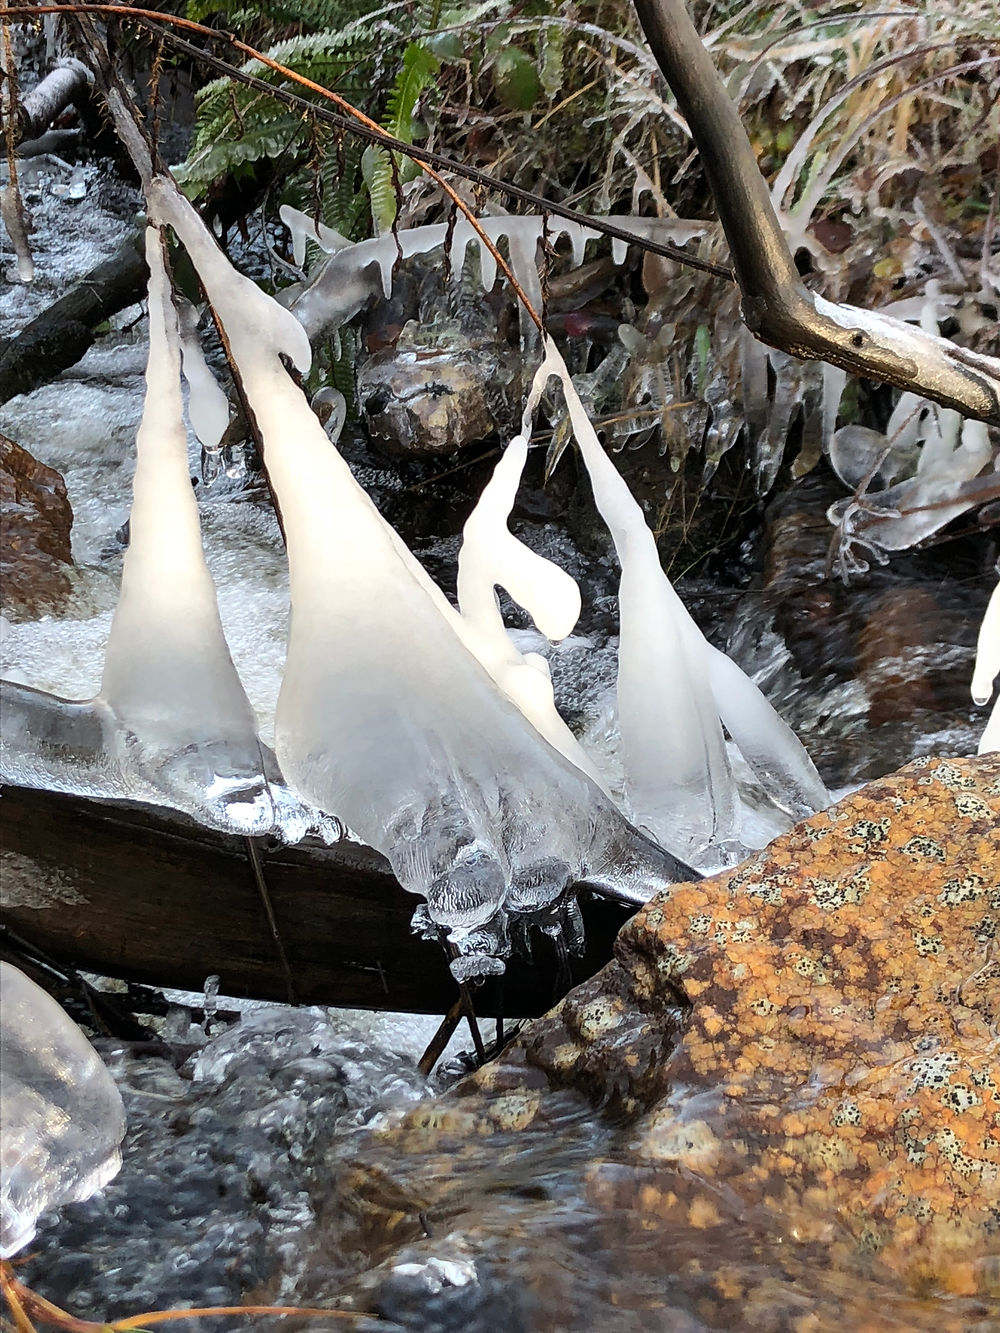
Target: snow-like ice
pixel 62 1116
pixel 386 715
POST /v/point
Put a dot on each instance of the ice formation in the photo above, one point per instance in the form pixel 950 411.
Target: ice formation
pixel 492 556
pixel 987 670
pixel 674 689
pixel 172 724
pixel 351 274
pixel 62 1116
pixel 386 714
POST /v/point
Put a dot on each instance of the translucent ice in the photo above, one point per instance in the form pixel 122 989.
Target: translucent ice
pixel 62 1116
pixel 386 716
pixel 673 688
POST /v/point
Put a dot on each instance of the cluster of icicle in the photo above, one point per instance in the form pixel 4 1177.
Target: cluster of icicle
pixel 419 725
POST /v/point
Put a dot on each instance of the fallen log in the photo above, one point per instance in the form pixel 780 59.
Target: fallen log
pixel 150 896
pixel 58 337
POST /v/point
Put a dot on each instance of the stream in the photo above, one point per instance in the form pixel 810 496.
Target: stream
pixel 257 1163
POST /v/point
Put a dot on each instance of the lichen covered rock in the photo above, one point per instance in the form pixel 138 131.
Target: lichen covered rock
pixel 797 1065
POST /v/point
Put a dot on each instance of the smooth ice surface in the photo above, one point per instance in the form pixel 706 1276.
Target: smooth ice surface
pixel 987 670
pixel 386 717
pixel 673 687
pixel 490 557
pixel 183 715
pixel 62 1116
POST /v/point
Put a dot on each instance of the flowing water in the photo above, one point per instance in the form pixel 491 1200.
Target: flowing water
pixel 261 1169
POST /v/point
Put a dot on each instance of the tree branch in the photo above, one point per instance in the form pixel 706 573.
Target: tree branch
pixel 777 307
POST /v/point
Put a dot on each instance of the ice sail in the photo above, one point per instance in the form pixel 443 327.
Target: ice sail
pixel 62 1115
pixel 674 689
pixel 385 717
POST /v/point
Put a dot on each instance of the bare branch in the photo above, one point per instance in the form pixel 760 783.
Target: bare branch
pixel 777 307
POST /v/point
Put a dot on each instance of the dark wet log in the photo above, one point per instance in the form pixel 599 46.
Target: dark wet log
pixel 150 896
pixel 58 337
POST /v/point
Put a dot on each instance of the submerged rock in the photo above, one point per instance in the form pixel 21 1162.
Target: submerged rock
pixel 36 521
pixel 797 1070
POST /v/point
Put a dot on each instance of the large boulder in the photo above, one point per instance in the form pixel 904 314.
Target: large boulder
pixel 778 1108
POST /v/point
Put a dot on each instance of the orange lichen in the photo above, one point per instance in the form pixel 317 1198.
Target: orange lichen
pixel 801 1062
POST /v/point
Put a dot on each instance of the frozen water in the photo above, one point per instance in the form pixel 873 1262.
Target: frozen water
pixel 673 687
pixel 385 715
pixel 62 1115
pixel 185 722
pixel 492 556
pixel 172 723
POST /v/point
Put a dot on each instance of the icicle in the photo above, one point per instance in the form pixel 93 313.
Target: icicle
pixel 168 678
pixel 673 686
pixel 987 670
pixel 304 229
pixel 62 1115
pixel 385 717
pixel 491 555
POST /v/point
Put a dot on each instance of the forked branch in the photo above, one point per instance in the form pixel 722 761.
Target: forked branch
pixel 777 307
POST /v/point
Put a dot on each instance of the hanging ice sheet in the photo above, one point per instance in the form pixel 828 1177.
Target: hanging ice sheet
pixel 386 715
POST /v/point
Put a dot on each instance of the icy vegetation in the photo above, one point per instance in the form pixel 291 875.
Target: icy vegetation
pixel 62 1116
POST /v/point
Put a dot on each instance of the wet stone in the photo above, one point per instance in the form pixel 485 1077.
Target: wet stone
pixel 788 1121
pixel 35 558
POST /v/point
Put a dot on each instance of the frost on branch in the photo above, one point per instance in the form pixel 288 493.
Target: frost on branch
pixel 62 1115
pixel 387 716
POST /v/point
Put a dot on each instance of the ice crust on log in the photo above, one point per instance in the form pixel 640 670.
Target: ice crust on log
pixel 386 715
pixel 61 1115
pixel 674 689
